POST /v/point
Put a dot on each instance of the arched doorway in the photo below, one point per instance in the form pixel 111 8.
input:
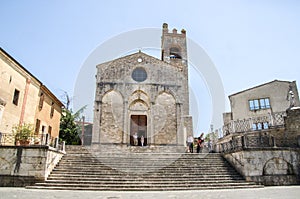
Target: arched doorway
pixel 138 129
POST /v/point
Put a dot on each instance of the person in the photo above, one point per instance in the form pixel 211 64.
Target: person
pixel 142 140
pixel 190 142
pixel 209 145
pixel 200 143
pixel 135 139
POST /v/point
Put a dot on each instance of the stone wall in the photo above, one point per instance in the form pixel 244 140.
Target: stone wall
pixel 267 166
pixel 21 165
pixel 271 156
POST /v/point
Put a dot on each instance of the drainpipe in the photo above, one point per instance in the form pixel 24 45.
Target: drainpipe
pixel 24 101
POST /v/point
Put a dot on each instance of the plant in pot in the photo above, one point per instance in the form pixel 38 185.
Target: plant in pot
pixel 23 133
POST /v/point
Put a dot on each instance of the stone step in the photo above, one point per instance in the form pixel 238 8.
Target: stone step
pixel 81 170
pixel 143 186
pixel 157 175
pixel 213 187
pixel 146 175
pixel 134 165
pixel 147 182
pixel 152 178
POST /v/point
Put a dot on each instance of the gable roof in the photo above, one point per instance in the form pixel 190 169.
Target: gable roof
pixel 261 85
pixel 135 54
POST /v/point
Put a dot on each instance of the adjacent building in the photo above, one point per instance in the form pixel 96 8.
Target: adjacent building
pixel 260 107
pixel 142 100
pixel 24 99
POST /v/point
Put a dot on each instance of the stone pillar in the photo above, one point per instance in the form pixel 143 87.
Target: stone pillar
pixel 96 126
pixel 126 128
pixel 56 143
pixel 179 122
pixel 151 125
pixel 292 126
pixel 188 125
pixel 63 146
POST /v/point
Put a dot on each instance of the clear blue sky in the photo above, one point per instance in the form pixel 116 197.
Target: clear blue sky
pixel 250 42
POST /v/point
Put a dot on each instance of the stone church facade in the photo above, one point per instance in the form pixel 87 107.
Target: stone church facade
pixel 140 96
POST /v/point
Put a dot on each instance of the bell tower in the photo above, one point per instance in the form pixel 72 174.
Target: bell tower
pixel 174 48
pixel 174 52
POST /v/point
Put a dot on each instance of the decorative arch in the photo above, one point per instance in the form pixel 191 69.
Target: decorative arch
pixel 112 116
pixel 278 166
pixel 169 92
pixel 139 95
pixel 112 90
pixel 138 105
pixel 164 119
pixel 175 53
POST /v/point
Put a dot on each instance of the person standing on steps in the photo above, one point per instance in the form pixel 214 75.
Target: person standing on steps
pixel 200 143
pixel 190 142
pixel 135 139
pixel 142 140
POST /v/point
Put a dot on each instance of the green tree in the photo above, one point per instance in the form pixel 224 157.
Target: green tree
pixel 69 128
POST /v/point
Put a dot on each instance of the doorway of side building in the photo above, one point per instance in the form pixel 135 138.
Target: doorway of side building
pixel 138 128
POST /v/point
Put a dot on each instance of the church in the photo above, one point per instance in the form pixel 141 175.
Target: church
pixel 142 101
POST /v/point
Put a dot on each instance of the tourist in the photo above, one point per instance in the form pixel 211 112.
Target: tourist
pixel 135 139
pixel 190 142
pixel 209 145
pixel 200 143
pixel 142 140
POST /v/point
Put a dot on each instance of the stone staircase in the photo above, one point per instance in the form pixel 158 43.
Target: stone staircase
pixel 81 170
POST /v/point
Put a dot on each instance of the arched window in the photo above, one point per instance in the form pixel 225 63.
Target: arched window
pixel 175 53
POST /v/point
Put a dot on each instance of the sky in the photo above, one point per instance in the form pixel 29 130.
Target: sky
pixel 248 42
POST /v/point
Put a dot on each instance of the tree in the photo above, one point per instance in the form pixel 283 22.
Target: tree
pixel 68 127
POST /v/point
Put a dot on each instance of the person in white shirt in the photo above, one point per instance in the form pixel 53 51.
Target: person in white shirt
pixel 190 142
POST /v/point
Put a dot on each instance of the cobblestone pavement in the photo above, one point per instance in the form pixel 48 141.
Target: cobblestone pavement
pixel 281 192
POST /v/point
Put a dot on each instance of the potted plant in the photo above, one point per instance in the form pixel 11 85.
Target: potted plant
pixel 23 133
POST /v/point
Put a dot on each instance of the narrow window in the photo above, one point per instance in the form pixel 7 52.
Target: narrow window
pixel 49 130
pixel 251 105
pixel 259 126
pixel 16 97
pixel 267 102
pixel 256 104
pixel 254 127
pixel 265 125
pixel 41 101
pixel 37 126
pixel 43 129
pixel 262 103
pixel 52 110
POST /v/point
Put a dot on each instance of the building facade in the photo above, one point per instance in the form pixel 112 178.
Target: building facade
pixel 260 107
pixel 142 100
pixel 24 99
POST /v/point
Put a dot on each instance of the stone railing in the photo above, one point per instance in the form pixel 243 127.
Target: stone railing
pixel 252 140
pixel 255 123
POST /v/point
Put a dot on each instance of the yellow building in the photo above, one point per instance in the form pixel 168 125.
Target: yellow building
pixel 24 99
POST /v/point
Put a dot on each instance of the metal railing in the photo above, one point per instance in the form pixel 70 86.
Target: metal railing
pixel 37 140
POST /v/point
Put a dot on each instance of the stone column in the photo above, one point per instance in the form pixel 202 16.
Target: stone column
pixel 126 128
pixel 151 127
pixel 179 123
pixel 96 126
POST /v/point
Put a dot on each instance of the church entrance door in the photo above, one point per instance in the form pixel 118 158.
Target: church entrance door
pixel 138 130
